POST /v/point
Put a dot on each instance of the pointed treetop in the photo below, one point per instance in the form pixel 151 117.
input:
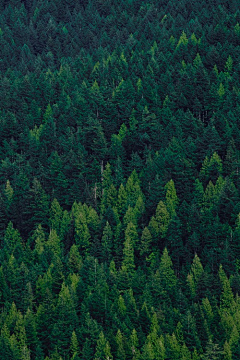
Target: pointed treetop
pixel 229 64
pixel 194 39
pixel 221 90
pixel 166 271
pixel 103 350
pixel 9 192
pixel 183 40
pixel 107 176
pixel 74 345
pixel 48 114
pixel 171 198
pixel 196 268
pixel 197 62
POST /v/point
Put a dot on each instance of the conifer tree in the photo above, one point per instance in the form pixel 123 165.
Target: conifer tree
pixel 159 223
pixel 195 275
pixel 131 238
pixel 11 239
pixel 82 234
pixel 74 259
pixel 146 240
pixel 166 272
pixel 53 244
pixel 74 346
pixel 134 345
pixel 55 214
pixel 39 240
pixel 122 199
pixel 227 299
pixel 171 198
pixel 120 354
pixel 103 350
pixel 31 331
pixel 107 242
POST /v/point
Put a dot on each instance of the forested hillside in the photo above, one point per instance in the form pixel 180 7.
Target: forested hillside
pixel 119 180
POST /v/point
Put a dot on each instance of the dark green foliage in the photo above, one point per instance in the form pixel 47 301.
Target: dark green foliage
pixel 119 180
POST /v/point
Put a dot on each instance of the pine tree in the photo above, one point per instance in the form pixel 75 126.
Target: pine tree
pixel 31 331
pixel 195 275
pixel 66 320
pixel 11 238
pixel 4 291
pixel 133 189
pixel 103 350
pixel 82 235
pixel 65 225
pixel 120 354
pixel 38 239
pixel 227 351
pixel 166 272
pixel 107 242
pixel 171 198
pixel 55 216
pixel 159 223
pixel 213 351
pixel 38 204
pixel 160 351
pixel 173 348
pixel 74 259
pixel 134 345
pixel 146 240
pixel 74 346
pixel 227 299
pixel 131 238
pixel 122 200
pixel 8 194
pixel 53 244
pixel 39 353
pixel 208 312
pixel 148 352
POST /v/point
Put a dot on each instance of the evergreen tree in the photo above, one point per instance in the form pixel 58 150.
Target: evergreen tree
pixel 74 346
pixel 171 198
pixel 128 250
pixel 120 354
pixel 103 350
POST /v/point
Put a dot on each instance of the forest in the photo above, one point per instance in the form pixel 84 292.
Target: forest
pixel 119 180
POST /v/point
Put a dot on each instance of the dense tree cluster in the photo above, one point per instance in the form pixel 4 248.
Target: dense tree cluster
pixel 119 180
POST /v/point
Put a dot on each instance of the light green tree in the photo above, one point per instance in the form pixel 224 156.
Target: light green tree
pixel 134 345
pixel 146 240
pixel 103 350
pixel 12 238
pixel 8 193
pixel 159 223
pixel 39 239
pixel 148 352
pixel 213 351
pixel 133 189
pixel 227 351
pixel 183 40
pixel 131 238
pixel 107 241
pixel 166 272
pixel 171 198
pixel 53 243
pixel 56 214
pixel 227 298
pixel 82 234
pixel 121 200
pixel 74 347
pixel 194 275
pixel 120 354
pixel 74 259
